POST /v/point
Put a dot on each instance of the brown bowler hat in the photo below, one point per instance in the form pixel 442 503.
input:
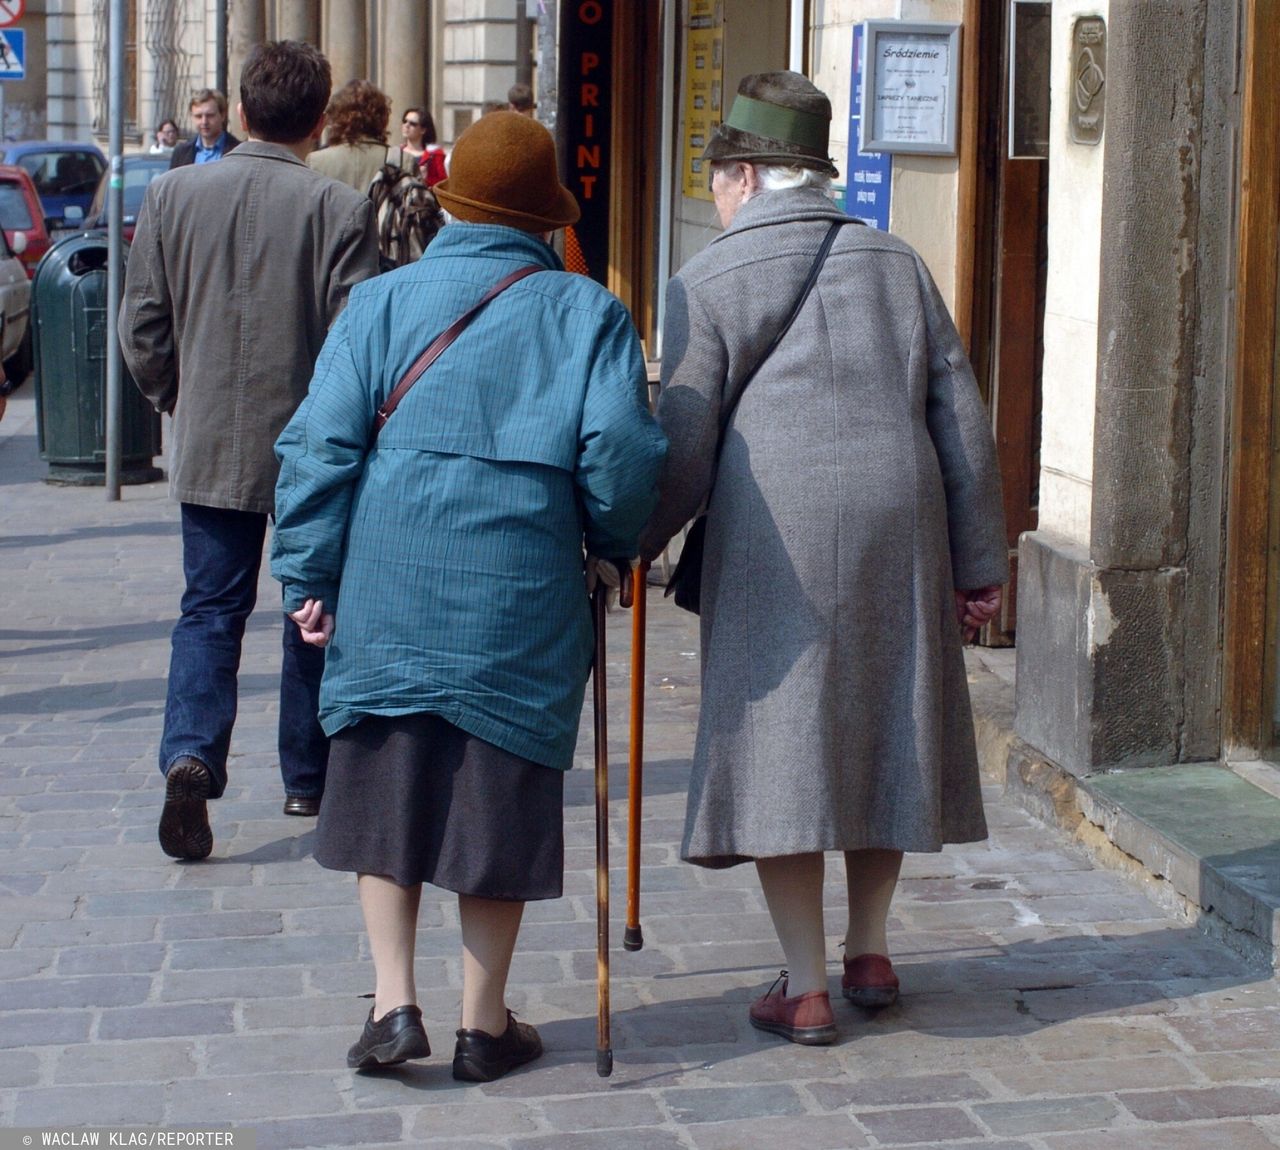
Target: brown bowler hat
pixel 503 171
pixel 777 118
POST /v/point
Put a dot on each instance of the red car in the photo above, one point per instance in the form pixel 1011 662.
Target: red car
pixel 21 213
pixel 139 171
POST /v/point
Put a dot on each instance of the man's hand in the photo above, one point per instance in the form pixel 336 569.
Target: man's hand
pixel 316 626
pixel 976 608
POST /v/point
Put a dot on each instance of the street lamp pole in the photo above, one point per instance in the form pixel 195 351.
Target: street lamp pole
pixel 220 44
pixel 115 246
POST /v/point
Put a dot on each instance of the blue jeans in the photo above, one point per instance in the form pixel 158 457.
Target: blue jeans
pixel 221 557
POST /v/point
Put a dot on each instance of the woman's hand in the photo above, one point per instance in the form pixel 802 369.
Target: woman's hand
pixel 316 626
pixel 976 608
pixel 613 574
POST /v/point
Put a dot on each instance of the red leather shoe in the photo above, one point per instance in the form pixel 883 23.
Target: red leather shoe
pixel 806 1018
pixel 869 981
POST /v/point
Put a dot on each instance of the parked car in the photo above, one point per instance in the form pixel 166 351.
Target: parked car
pixel 139 171
pixel 15 315
pixel 22 214
pixel 65 174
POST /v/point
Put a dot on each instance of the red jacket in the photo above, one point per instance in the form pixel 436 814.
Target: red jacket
pixel 432 166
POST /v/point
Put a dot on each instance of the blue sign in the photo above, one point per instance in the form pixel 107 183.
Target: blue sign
pixel 868 174
pixel 13 54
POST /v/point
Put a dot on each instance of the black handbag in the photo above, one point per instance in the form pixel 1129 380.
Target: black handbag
pixel 686 580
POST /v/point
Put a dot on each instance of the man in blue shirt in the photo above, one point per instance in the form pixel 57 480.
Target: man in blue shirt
pixel 212 141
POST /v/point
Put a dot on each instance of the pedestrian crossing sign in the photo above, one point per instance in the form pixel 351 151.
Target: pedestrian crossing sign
pixel 13 54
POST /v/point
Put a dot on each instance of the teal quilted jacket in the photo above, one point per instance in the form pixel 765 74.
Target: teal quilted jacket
pixel 451 552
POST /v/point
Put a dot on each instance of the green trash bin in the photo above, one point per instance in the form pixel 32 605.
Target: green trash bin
pixel 69 319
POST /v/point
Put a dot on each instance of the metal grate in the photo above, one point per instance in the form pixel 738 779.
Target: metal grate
pixel 162 27
pixel 162 41
pixel 100 29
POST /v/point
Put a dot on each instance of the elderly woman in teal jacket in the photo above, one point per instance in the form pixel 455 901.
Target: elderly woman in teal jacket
pixel 443 566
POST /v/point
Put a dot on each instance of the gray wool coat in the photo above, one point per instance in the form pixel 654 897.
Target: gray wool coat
pixel 856 489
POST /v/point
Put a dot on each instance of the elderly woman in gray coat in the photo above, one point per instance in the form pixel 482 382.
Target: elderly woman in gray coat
pixel 854 536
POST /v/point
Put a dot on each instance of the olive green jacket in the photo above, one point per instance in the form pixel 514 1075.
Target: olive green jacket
pixel 236 272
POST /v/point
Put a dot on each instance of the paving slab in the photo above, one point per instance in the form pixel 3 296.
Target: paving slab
pixel 1047 1004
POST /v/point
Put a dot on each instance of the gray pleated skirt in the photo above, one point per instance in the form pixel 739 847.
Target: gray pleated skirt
pixel 416 799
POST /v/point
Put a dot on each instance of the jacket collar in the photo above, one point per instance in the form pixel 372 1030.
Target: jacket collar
pixel 261 149
pixel 785 206
pixel 493 241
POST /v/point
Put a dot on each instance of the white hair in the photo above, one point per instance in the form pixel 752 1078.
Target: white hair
pixel 776 177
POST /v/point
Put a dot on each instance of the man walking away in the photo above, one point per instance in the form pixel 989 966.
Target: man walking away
pixel 234 277
pixel 212 141
pixel 520 99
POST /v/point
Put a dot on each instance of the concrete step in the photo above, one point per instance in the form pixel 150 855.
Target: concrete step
pixel 1202 838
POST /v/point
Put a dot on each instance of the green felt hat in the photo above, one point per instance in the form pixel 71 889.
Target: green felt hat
pixel 777 118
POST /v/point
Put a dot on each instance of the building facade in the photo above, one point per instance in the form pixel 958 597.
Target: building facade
pixel 450 56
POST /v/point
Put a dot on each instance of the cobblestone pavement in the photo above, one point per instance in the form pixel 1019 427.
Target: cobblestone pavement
pixel 1046 1004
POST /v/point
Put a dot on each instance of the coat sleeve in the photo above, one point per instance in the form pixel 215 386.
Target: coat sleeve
pixel 960 428
pixel 322 455
pixel 695 366
pixel 146 318
pixel 620 448
pixel 355 258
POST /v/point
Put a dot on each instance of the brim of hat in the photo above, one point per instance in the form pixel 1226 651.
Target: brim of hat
pixel 729 144
pixel 564 211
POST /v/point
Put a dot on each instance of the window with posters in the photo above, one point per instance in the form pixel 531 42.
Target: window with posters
pixel 704 90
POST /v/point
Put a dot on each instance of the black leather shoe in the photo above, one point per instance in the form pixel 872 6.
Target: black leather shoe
pixel 396 1036
pixel 479 1057
pixel 307 806
pixel 184 819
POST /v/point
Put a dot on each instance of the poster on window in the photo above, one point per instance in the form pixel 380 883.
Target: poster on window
pixel 704 90
pixel 869 175
pixel 911 86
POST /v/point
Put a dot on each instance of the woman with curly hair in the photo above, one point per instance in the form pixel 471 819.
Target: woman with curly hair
pixel 358 115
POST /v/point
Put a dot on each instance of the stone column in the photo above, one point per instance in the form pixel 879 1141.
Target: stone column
pixel 298 20
pixel 405 49
pixel 1118 642
pixel 346 41
pixel 246 26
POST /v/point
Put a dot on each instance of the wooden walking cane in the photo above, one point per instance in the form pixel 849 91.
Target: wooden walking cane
pixel 599 602
pixel 599 698
pixel 633 936
pixel 604 1052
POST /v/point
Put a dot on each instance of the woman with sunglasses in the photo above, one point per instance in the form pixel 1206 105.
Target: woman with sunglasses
pixel 418 140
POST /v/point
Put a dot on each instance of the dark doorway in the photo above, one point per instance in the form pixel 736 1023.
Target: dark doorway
pixel 1010 266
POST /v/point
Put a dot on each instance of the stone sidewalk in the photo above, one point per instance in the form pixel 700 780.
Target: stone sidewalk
pixel 1047 1005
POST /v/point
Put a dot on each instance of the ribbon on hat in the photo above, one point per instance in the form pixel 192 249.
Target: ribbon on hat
pixel 774 122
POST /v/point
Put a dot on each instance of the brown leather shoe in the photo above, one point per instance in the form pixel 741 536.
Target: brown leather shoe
pixel 305 806
pixel 806 1018
pixel 869 981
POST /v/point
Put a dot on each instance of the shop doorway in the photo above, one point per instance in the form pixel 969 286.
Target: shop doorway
pixel 1251 649
pixel 1011 257
pixel 637 126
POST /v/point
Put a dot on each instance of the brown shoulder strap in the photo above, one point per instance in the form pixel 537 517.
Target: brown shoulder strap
pixel 438 345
